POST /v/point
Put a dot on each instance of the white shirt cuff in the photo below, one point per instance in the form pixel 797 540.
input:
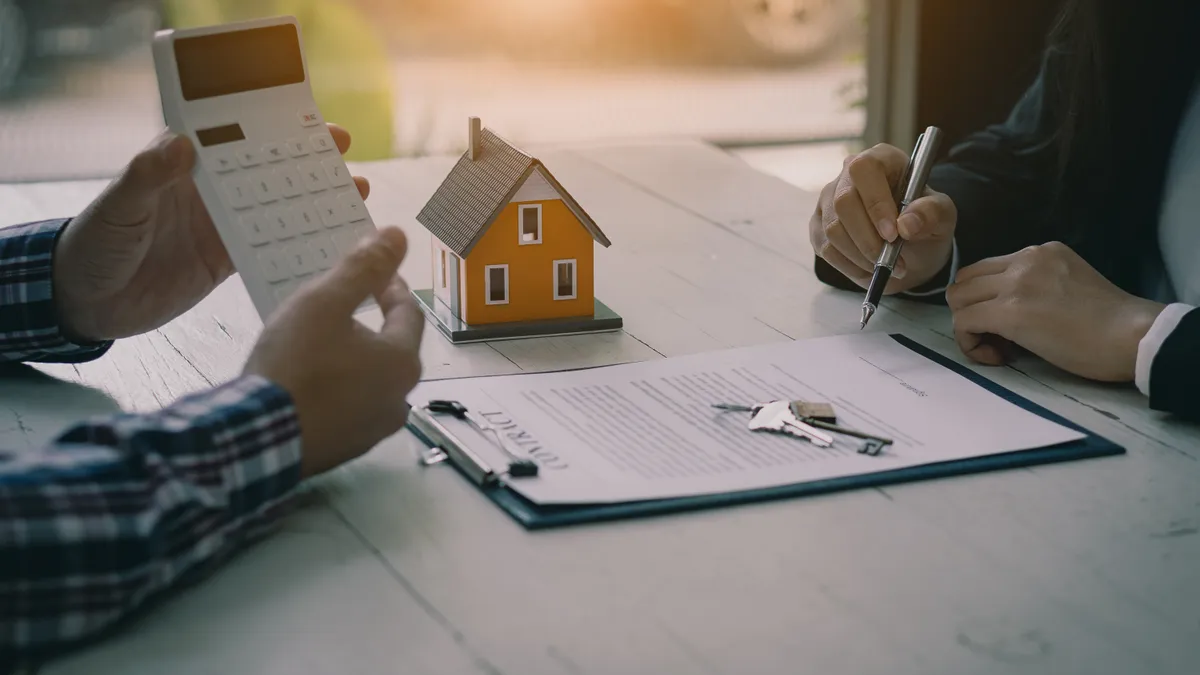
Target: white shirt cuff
pixel 1148 348
pixel 953 274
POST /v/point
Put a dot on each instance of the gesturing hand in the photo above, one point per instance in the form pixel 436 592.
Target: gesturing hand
pixel 857 212
pixel 348 382
pixel 1049 301
pixel 145 251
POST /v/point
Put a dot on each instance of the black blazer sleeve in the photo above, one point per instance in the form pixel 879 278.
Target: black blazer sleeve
pixel 1176 370
pixel 1001 179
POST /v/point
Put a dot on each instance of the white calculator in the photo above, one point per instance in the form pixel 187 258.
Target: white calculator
pixel 278 190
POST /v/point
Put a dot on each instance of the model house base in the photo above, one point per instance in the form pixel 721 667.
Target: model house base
pixel 603 320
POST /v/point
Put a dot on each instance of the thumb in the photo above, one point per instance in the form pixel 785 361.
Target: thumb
pixel 366 272
pixel 130 199
pixel 930 217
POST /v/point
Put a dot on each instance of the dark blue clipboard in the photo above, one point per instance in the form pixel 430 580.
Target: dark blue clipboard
pixel 534 517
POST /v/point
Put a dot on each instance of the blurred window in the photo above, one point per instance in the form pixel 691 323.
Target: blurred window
pixel 78 94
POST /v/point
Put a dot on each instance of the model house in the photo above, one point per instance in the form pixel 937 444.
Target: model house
pixel 510 245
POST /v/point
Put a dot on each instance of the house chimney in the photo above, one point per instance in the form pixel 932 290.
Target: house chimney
pixel 475 139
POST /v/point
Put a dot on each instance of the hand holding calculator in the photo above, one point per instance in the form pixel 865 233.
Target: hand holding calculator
pixel 268 171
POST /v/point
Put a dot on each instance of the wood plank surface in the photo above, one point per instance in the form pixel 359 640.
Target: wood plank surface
pixel 1085 567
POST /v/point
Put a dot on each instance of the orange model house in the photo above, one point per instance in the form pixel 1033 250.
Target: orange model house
pixel 512 251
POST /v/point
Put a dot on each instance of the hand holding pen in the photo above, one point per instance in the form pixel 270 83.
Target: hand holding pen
pixel 908 190
pixel 858 213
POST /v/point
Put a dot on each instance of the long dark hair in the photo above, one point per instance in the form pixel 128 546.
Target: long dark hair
pixel 1125 71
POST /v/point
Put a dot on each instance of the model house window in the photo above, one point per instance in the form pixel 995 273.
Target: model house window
pixel 443 269
pixel 531 224
pixel 564 279
pixel 496 281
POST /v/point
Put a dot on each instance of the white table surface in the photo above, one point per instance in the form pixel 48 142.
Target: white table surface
pixel 1084 567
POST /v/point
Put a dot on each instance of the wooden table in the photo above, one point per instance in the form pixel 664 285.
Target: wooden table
pixel 1087 567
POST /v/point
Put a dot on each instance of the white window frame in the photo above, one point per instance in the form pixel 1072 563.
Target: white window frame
pixel 521 224
pixel 487 284
pixel 574 279
pixel 443 257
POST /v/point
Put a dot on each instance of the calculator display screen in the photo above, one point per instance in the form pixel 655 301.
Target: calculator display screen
pixel 239 61
pixel 230 133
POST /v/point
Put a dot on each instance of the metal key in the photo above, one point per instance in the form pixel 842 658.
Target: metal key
pixel 812 422
pixel 777 416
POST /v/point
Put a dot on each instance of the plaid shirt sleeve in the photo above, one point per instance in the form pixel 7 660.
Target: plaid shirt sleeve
pixel 29 329
pixel 119 509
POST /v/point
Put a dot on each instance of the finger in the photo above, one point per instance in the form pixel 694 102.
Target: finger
pixel 974 291
pixel 403 321
pixel 363 185
pixel 993 317
pixel 874 172
pixel 840 263
pixel 366 272
pixel 981 348
pixel 858 226
pixel 816 222
pixel 988 266
pixel 929 217
pixel 130 198
pixel 341 137
pixel 840 241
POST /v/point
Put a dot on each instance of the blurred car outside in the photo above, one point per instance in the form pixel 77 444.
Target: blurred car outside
pixel 35 33
pixel 756 33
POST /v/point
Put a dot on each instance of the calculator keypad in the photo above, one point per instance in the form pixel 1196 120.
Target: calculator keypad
pixel 296 205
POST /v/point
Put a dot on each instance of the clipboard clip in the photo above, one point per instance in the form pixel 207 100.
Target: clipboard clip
pixel 448 447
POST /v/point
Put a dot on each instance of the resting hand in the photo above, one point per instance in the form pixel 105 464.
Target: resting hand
pixel 1048 300
pixel 857 212
pixel 145 251
pixel 348 382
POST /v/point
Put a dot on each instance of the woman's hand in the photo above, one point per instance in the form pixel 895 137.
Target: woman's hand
pixel 1049 301
pixel 145 251
pixel 857 212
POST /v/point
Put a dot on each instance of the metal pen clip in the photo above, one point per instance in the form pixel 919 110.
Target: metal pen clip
pixel 447 447
pixel 457 452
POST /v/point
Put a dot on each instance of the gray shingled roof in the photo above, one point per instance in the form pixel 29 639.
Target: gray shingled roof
pixel 475 192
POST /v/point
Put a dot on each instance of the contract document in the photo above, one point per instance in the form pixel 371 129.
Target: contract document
pixel 648 431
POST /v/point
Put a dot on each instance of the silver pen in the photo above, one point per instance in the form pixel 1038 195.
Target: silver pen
pixel 909 189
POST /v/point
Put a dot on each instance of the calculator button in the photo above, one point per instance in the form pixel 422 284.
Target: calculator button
pixel 266 187
pixel 365 230
pixel 289 182
pixel 297 147
pixel 299 259
pixel 274 152
pixel 257 229
pixel 321 142
pixel 222 161
pixel 238 192
pixel 313 176
pixel 332 213
pixel 324 252
pixel 285 290
pixel 249 157
pixel 353 206
pixel 339 175
pixel 307 219
pixel 310 118
pixel 282 222
pixel 273 267
pixel 347 240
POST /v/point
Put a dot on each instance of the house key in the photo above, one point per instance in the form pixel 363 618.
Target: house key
pixel 777 416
